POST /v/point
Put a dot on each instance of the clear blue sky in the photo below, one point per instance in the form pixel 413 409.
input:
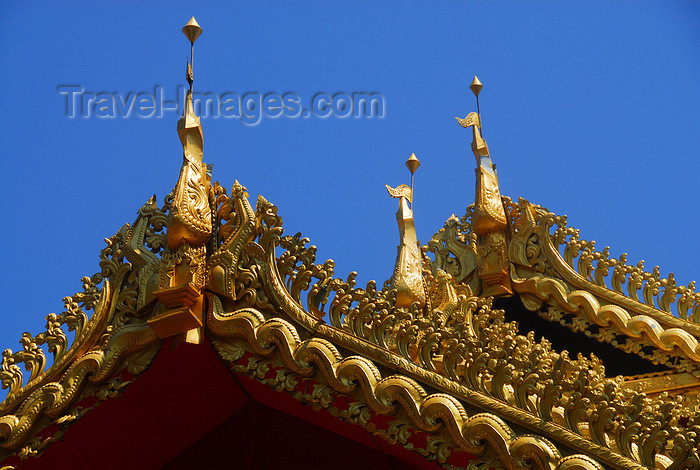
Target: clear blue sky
pixel 590 109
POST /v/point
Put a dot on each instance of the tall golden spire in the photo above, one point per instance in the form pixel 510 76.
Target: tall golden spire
pixel 191 221
pixel 192 30
pixel 407 278
pixel 183 269
pixel 489 217
pixel 189 127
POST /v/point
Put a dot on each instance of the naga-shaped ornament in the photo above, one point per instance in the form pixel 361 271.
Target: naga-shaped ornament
pixel 488 221
pixel 408 277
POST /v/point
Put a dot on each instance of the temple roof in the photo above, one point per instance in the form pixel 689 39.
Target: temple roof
pixel 430 362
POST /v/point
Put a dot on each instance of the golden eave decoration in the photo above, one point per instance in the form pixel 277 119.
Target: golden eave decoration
pixel 427 350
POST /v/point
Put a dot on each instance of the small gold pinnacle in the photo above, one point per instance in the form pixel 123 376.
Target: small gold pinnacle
pixel 476 86
pixel 412 163
pixel 192 30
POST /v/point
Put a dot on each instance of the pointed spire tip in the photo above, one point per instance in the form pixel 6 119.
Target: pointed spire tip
pixel 476 86
pixel 192 30
pixel 412 163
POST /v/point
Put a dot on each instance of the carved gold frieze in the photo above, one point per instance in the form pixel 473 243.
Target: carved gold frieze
pixel 657 383
pixel 493 264
pixel 356 376
pixel 114 338
pixel 566 272
pixel 467 352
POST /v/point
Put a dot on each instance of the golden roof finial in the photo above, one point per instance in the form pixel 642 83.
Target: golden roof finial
pixel 191 221
pixel 407 278
pixel 189 127
pixel 182 273
pixel 488 220
pixel 412 164
pixel 479 146
pixel 192 30
pixel 476 86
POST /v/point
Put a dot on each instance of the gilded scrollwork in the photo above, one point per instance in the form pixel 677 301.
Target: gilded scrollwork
pixel 235 227
pixel 455 343
pixel 439 414
pixel 443 363
pixel 565 271
pixel 488 214
pixel 454 249
pixel 465 348
pixel 609 274
pixel 114 337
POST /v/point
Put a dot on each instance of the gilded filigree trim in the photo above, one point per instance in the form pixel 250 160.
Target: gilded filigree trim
pixel 272 372
pixel 579 263
pixel 358 376
pixel 474 356
pixel 455 344
pixel 111 339
pixel 543 275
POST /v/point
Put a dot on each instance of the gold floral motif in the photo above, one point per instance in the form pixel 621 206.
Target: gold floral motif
pixel 236 227
pixel 186 265
pixel 190 218
pixel 455 253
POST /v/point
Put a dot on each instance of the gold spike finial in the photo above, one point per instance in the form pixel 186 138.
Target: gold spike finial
pixel 476 86
pixel 412 163
pixel 475 119
pixel 191 219
pixel 192 30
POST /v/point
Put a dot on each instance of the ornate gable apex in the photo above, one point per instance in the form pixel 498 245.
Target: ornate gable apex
pixel 427 365
pixel 555 272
